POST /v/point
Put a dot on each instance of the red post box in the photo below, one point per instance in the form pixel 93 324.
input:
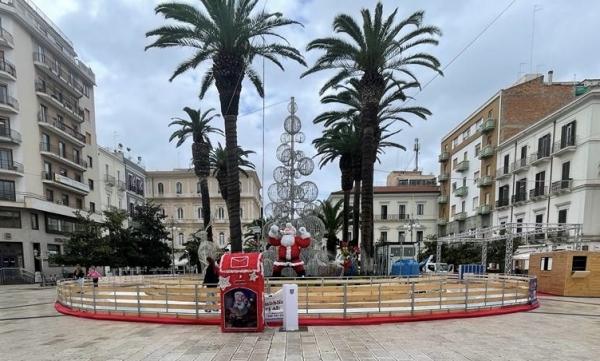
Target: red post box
pixel 242 286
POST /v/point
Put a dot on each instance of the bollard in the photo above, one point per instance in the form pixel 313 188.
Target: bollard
pixel 290 307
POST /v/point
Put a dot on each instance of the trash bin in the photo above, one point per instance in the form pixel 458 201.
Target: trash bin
pixel 37 277
pixel 242 286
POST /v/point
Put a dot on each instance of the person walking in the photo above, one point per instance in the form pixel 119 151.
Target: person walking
pixel 211 278
pixel 94 275
pixel 79 276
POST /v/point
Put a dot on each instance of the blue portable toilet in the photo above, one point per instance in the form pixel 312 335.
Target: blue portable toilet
pixel 474 269
pixel 406 267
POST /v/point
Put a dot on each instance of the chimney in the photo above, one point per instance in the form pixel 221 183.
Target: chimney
pixel 550 73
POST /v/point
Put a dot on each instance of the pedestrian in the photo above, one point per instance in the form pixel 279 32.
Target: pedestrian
pixel 79 276
pixel 211 278
pixel 94 275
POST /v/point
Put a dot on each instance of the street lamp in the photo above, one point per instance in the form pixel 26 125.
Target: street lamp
pixel 172 226
pixel 412 224
pixel 256 230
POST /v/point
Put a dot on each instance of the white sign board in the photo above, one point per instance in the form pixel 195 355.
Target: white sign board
pixel 273 304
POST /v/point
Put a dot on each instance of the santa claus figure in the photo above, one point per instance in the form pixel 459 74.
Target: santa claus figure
pixel 290 245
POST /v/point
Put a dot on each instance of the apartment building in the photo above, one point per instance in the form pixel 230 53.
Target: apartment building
pixel 178 193
pixel 48 152
pixel 135 172
pixel 112 179
pixel 468 155
pixel 409 199
pixel 550 172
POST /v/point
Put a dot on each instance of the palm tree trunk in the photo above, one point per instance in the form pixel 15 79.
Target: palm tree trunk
pixel 346 216
pixel 233 183
pixel 206 213
pixel 356 213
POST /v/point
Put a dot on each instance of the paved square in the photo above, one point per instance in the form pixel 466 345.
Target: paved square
pixel 561 329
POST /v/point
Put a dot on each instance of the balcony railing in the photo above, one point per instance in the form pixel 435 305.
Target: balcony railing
pixel 62 153
pixel 565 144
pixel 121 185
pixel 539 156
pixel 502 172
pixel 442 221
pixel 109 179
pixel 6 36
pixel 462 166
pixel 8 67
pixel 59 72
pixel 62 179
pixel 502 202
pixel 59 98
pixel 461 191
pixel 488 125
pixel 485 209
pixel 11 134
pixel 461 216
pixel 63 127
pixel 519 197
pixel 444 156
pixel 10 101
pixel 562 186
pixel 442 199
pixel 485 181
pixel 11 165
pixel 486 152
pixel 443 177
pixel 391 217
pixel 520 164
pixel 538 192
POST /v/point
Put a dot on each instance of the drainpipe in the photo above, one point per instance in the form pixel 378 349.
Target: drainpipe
pixel 513 176
pixel 551 167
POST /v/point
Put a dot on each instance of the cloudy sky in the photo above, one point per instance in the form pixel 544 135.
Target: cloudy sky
pixel 481 55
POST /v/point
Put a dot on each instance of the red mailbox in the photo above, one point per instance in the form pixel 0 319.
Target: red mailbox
pixel 242 285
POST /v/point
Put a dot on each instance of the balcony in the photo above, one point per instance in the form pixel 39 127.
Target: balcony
pixel 8 135
pixel 443 157
pixel 6 39
pixel 56 73
pixel 391 217
pixel 7 70
pixel 485 181
pixel 519 198
pixel 60 128
pixel 502 202
pixel 538 193
pixel 121 186
pixel 109 180
pixel 539 157
pixel 520 165
pixel 488 125
pixel 444 177
pixel 461 191
pixel 56 98
pixel 565 145
pixel 442 221
pixel 486 152
pixel 461 216
pixel 484 209
pixel 502 173
pixel 462 166
pixel 64 182
pixel 60 155
pixel 9 104
pixel 442 199
pixel 11 168
pixel 562 186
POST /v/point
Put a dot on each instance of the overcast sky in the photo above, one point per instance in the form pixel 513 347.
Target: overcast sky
pixel 135 101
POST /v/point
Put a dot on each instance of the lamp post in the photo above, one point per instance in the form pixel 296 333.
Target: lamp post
pixel 412 224
pixel 187 257
pixel 172 226
pixel 257 232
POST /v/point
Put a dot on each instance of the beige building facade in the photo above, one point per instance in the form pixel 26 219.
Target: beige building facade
pixel 48 152
pixel 178 193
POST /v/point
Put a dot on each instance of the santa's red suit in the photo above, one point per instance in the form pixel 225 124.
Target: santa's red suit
pixel 290 245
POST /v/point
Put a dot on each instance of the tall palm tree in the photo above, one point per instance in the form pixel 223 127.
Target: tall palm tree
pixel 219 163
pixel 380 48
pixel 199 128
pixel 331 216
pixel 225 33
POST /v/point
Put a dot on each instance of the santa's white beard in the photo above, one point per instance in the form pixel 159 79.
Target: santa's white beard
pixel 287 240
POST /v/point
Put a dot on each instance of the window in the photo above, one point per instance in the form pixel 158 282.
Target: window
pixel 220 213
pixel 464 182
pixel 61 150
pixel 198 187
pixel 491 114
pixel 7 191
pixel 562 216
pixel 540 178
pixel 579 263
pixel 519 225
pixel 521 190
pixel 91 184
pixel 49 195
pixel 199 213
pixel 566 170
pixel 506 164
pixel 487 198
pixel 543 147
pixel 567 135
pixel 401 236
pixel 503 195
pixel 63 172
pixel 180 239
pixel 65 199
pixel 420 209
pixel 118 175
pixel 384 212
pixel 453 186
pixel 419 236
pixel 86 92
pixel 475 177
pixel 477 149
pixel 89 162
pixel 454 163
pixel 539 219
pixel 59 225
pixel 475 202
pixel 465 155
pixel 9 219
pixel 78 177
pixel 402 210
pixel 34 221
pixel 453 210
pixel 88 138
pixel 546 264
pixel 221 239
pixel 455 143
pixel 463 206
pixel 179 213
pixel 179 188
pixel 92 207
pixel 161 188
pixel 383 236
pixel 78 203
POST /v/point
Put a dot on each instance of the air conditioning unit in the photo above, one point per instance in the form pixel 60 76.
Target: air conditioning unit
pixel 8 236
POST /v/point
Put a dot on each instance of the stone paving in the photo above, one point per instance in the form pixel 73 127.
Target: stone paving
pixel 561 329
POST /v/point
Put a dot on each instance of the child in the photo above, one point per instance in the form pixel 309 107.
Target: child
pixel 94 275
pixel 79 276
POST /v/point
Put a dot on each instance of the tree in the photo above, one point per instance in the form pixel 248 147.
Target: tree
pixel 218 162
pixel 252 242
pixel 377 51
pixel 199 128
pixel 332 218
pixel 123 248
pixel 191 253
pixel 225 33
pixel 149 234
pixel 84 245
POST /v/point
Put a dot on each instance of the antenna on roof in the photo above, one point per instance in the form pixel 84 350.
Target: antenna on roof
pixel 417 147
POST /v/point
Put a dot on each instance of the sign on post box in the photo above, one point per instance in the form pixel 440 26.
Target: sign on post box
pixel 242 285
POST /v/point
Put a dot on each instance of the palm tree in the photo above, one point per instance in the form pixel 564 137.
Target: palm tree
pixel 218 162
pixel 199 128
pixel 373 53
pixel 331 216
pixel 224 32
